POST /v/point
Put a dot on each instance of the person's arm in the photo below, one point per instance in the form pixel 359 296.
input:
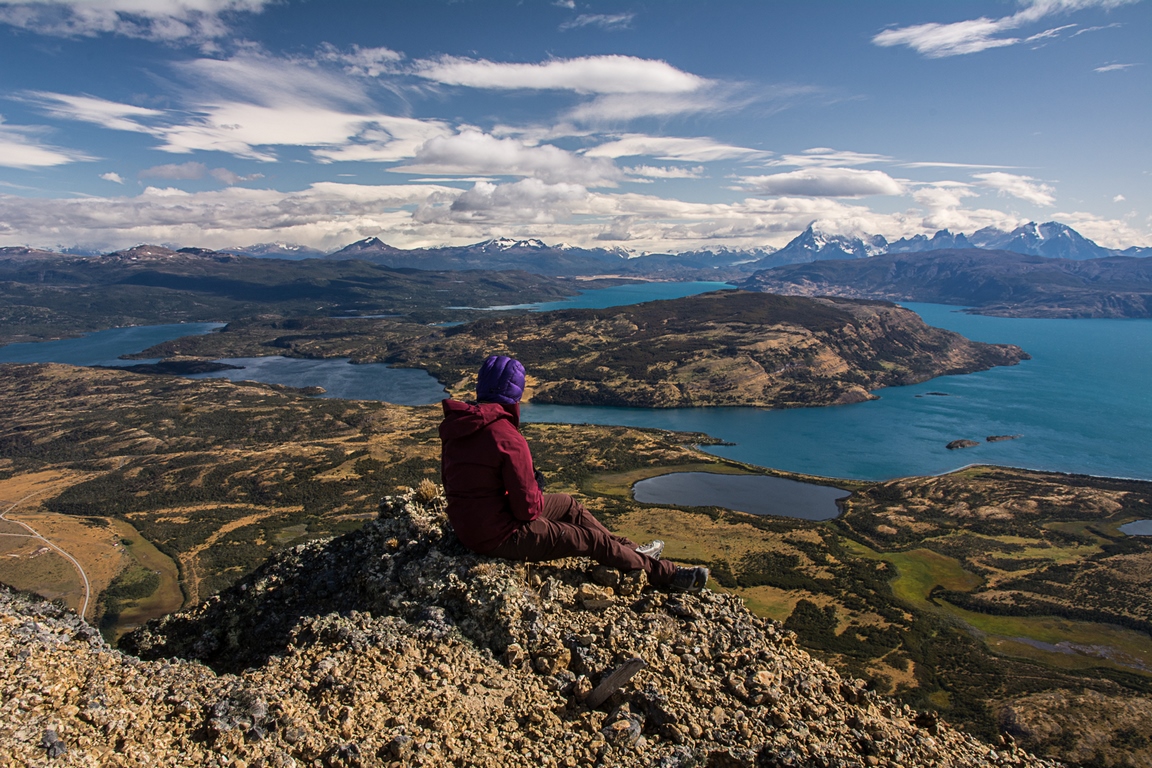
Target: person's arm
pixel 524 495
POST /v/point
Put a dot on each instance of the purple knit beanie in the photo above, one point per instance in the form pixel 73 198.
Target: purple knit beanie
pixel 501 380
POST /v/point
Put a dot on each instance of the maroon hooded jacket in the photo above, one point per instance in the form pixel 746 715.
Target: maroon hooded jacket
pixel 487 472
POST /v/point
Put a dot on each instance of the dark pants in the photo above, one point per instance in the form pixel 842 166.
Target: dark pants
pixel 566 529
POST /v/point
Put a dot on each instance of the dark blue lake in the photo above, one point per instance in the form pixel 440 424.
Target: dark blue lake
pixel 1080 405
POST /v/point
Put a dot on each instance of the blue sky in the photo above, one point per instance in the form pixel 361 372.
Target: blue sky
pixel 655 126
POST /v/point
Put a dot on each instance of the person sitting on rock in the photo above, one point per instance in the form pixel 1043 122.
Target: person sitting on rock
pixel 494 498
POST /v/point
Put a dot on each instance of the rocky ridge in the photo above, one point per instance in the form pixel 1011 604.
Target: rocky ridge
pixel 394 646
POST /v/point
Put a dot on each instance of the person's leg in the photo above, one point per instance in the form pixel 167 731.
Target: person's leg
pixel 562 508
pixel 544 539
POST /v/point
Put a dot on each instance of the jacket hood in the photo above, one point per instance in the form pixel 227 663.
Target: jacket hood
pixel 462 419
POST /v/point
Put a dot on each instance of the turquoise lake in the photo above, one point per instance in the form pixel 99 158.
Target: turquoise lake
pixel 1080 405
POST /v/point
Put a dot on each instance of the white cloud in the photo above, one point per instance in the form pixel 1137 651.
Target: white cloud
pixel 1023 187
pixel 330 215
pixel 363 62
pixel 933 164
pixel 609 21
pixel 1110 233
pixel 1119 199
pixel 172 172
pixel 112 176
pixel 698 150
pixel 249 104
pixel 1113 67
pixel 611 74
pixel 89 109
pixel 325 215
pixel 665 172
pixel 225 176
pixel 824 182
pixel 19 148
pixel 569 4
pixel 162 20
pixel 525 202
pixel 473 153
pixel 193 171
pixel 824 157
pixel 935 40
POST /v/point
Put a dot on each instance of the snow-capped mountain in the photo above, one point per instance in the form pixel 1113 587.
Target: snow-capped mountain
pixel 815 245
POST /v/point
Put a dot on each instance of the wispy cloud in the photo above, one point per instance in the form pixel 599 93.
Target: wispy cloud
pixel 936 40
pixel 160 20
pixel 824 157
pixel 249 104
pixel 1113 67
pixel 612 74
pixel 824 182
pixel 89 109
pixel 941 164
pixel 365 62
pixel 697 149
pixel 665 172
pixel 608 21
pixel 1022 187
pixel 20 147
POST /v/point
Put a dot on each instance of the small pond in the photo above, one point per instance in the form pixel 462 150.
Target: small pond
pixel 755 494
pixel 1137 528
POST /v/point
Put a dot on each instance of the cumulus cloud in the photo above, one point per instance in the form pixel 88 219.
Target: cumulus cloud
pixel 20 148
pixel 113 177
pixel 161 20
pixel 1110 233
pixel 1022 187
pixel 473 153
pixel 824 182
pixel 522 203
pixel 609 21
pixel 325 215
pixel 935 40
pixel 588 74
pixel 1119 199
pixel 698 149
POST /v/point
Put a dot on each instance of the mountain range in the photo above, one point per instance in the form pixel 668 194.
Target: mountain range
pixel 1050 240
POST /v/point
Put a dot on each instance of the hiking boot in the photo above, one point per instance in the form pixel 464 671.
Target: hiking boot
pixel 689 579
pixel 652 549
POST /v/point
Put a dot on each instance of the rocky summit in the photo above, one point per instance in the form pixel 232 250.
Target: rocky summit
pixel 394 646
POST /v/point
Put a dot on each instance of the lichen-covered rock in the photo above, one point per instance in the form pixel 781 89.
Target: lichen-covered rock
pixel 394 646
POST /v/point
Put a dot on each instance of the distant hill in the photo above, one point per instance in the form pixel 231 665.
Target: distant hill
pixel 289 251
pixel 46 295
pixel 994 282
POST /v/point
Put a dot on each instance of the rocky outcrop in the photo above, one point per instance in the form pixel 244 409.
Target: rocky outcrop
pixel 393 646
